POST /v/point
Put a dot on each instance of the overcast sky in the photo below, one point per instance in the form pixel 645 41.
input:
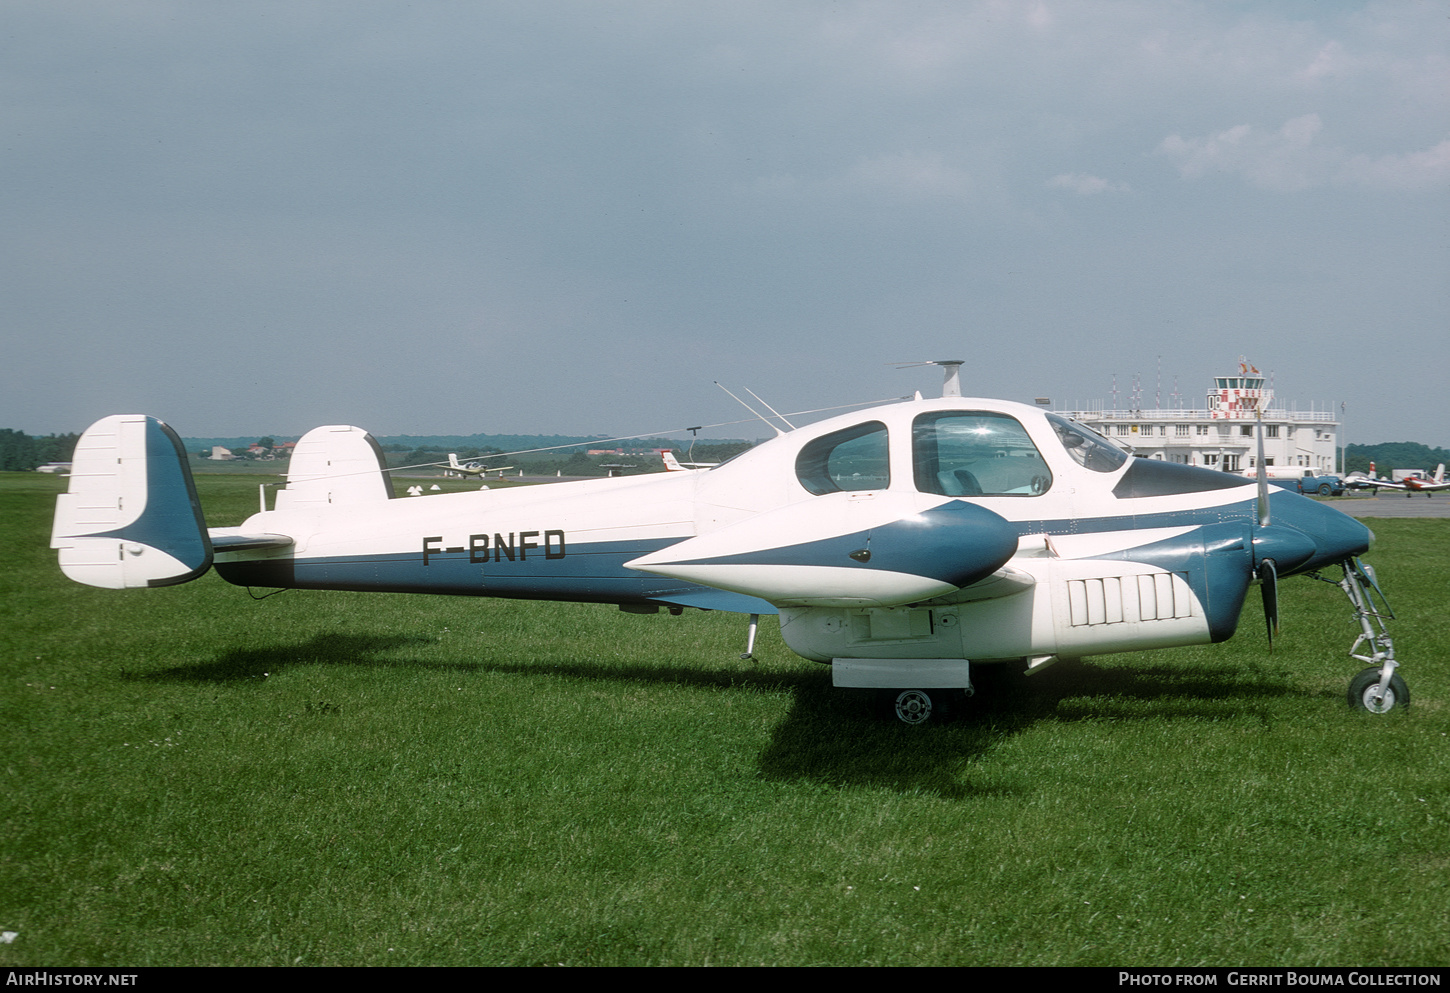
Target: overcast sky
pixel 575 217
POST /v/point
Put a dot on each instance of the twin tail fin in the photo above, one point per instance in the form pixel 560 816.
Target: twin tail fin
pixel 131 517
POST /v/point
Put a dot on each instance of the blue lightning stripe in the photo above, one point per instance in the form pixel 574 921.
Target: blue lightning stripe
pixel 589 573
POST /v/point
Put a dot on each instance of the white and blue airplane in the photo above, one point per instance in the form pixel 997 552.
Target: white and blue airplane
pixel 903 545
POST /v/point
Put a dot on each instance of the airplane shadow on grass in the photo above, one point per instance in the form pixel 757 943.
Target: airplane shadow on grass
pixel 329 649
pixel 839 737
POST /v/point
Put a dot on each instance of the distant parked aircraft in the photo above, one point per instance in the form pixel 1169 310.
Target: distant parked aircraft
pixel 472 468
pixel 673 464
pixel 1429 487
pixel 1371 482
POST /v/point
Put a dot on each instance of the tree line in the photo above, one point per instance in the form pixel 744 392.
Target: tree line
pixel 19 452
pixel 1392 455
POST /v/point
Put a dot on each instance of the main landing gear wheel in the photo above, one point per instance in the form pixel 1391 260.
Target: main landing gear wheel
pixel 914 706
pixel 1364 692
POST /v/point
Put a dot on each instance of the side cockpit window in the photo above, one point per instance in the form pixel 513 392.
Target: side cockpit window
pixel 976 453
pixel 853 459
pixel 1088 448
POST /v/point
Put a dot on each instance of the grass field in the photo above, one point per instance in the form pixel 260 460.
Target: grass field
pixel 194 778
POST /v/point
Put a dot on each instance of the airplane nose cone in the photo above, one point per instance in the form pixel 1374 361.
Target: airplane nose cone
pixel 1343 535
pixel 1336 536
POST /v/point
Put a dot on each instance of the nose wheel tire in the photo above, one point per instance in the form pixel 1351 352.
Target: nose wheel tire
pixel 1364 692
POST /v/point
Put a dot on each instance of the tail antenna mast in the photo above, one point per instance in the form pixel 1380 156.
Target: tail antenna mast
pixel 770 408
pixel 952 385
pixel 757 413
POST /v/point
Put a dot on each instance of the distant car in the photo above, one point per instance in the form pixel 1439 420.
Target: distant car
pixel 1320 485
pixel 1307 482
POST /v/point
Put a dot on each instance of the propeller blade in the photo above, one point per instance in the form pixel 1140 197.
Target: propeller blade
pixel 1269 587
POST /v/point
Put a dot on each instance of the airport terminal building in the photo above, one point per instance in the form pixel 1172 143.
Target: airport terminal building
pixel 1221 434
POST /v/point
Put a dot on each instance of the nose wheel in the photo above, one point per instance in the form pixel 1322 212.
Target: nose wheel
pixel 1366 693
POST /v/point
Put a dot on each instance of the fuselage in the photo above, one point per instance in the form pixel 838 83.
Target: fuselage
pixel 982 528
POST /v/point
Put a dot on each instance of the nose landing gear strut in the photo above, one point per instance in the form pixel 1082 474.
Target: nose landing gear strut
pixel 1378 689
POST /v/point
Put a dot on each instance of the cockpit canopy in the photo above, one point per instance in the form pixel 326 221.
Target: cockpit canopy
pixel 954 448
pixel 954 452
pixel 976 453
pixel 857 458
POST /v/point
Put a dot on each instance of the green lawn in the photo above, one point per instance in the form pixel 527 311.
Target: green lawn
pixel 195 778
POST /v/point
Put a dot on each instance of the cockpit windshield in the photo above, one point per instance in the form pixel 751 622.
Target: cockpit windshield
pixel 1088 448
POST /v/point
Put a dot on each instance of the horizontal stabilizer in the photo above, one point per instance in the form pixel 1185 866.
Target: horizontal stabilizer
pixel 234 540
pixel 130 516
